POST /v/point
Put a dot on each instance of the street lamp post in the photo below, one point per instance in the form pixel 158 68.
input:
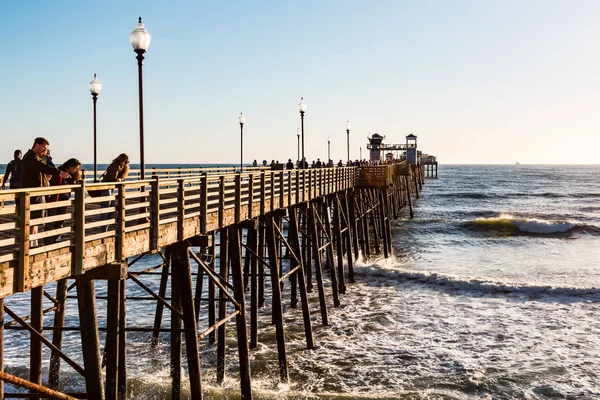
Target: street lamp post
pixel 302 109
pixel 328 148
pixel 348 126
pixel 360 153
pixel 95 88
pixel 241 119
pixel 298 135
pixel 140 40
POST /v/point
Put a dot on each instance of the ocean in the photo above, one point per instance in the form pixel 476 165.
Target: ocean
pixel 493 292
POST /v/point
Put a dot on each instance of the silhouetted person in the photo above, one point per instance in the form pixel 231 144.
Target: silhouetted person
pixel 290 164
pixel 13 171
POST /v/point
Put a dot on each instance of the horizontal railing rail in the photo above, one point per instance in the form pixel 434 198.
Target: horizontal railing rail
pixel 67 221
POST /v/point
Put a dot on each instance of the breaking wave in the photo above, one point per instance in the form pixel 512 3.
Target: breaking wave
pixel 509 223
pixel 481 286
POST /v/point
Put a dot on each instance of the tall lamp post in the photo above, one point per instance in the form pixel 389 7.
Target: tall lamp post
pixel 241 119
pixel 298 134
pixel 140 40
pixel 95 88
pixel 348 126
pixel 328 148
pixel 302 109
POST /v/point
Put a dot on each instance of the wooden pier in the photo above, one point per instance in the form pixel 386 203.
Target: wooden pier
pixel 242 234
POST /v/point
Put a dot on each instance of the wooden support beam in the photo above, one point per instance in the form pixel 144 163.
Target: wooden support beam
pixel 277 304
pixel 211 289
pixel 349 234
pixel 111 349
pixel 35 351
pixel 57 335
pixel 337 225
pixel 224 272
pixel 295 242
pixel 182 275
pixel 261 255
pixel 162 291
pixel 312 222
pixel 253 246
pixel 90 342
pixel 241 327
pixel 337 286
pixel 175 332
pixel 122 367
pixel 383 221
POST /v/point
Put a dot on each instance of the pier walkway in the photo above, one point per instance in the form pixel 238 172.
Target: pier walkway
pixel 227 240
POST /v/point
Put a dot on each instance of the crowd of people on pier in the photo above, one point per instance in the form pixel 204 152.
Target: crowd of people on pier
pixel 36 169
pixel 317 164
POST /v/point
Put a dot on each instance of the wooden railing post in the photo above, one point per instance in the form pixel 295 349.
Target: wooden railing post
pixel 281 189
pixel 22 274
pixel 180 208
pixel 120 220
pixel 238 198
pixel 221 200
pixel 203 202
pixel 297 187
pixel 154 213
pixel 289 191
pixel 79 229
pixel 272 190
pixel 250 195
pixel 262 193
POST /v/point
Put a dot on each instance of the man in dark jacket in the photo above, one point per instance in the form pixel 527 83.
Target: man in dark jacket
pixel 34 173
pixel 13 171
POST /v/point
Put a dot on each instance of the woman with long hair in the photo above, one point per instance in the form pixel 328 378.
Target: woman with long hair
pixel 117 171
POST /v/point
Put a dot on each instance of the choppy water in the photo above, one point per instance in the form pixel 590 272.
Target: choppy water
pixel 493 293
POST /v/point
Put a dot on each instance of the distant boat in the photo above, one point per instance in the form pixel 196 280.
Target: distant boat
pixel 517 163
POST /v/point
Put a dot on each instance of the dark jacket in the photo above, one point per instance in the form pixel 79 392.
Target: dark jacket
pixel 34 172
pixel 13 171
pixel 56 181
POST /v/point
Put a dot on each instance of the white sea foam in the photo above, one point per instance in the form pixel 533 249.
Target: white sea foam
pixel 526 225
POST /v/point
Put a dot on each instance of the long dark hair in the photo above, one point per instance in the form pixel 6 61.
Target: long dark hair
pixel 71 162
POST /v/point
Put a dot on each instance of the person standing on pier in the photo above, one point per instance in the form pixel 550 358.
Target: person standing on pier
pixel 34 173
pixel 13 171
pixel 117 171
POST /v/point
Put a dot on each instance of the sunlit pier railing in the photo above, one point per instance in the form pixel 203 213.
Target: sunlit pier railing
pixel 138 216
pixel 181 172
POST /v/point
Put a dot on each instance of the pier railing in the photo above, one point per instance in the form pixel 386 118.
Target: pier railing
pixel 180 172
pixel 134 217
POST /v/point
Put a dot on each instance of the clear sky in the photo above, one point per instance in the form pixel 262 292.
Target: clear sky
pixel 477 81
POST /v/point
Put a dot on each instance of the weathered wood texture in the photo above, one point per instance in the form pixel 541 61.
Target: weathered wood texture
pixel 132 218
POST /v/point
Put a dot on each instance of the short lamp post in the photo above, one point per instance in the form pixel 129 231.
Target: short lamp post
pixel 140 40
pixel 348 126
pixel 360 153
pixel 302 109
pixel 298 135
pixel 95 88
pixel 241 120
pixel 328 148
